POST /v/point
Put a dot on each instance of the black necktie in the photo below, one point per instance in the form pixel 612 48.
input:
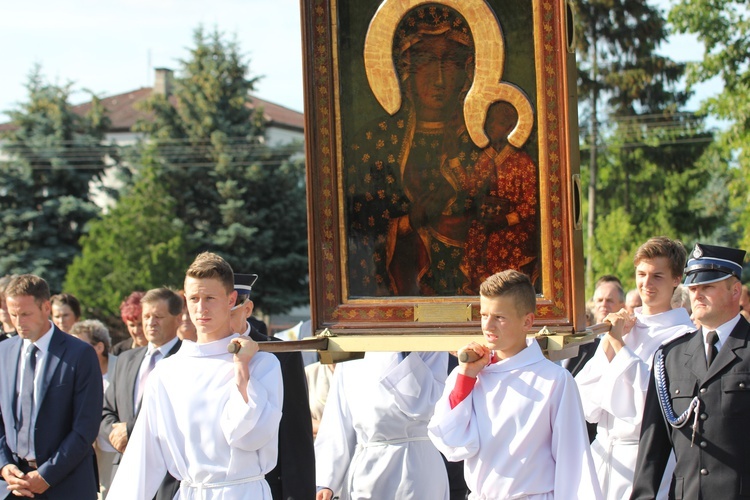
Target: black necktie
pixel 27 403
pixel 711 339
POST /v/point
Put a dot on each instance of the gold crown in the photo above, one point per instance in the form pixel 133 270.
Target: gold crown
pixel 432 20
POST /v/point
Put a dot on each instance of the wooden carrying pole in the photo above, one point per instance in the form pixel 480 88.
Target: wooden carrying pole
pixel 334 348
pixel 574 340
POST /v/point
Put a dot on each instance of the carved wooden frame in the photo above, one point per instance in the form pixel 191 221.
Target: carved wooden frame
pixel 560 306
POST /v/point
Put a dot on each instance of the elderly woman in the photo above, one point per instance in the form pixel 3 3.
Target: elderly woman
pixel 95 333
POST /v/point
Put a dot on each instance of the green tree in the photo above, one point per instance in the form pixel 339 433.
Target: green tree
pixel 655 175
pixel 723 26
pixel 645 151
pixel 45 198
pixel 268 232
pixel 140 244
pixel 614 249
pixel 235 195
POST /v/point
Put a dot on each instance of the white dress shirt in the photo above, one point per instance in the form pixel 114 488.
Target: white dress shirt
pixel 151 349
pixel 723 332
pixel 42 343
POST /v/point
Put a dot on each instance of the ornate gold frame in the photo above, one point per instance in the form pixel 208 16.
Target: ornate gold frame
pixel 560 307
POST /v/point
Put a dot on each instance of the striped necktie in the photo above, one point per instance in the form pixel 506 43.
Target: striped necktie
pixel 27 403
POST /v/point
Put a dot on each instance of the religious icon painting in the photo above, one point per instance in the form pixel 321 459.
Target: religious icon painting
pixel 442 148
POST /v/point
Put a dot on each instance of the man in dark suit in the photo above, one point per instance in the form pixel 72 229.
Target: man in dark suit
pixel 609 297
pixel 50 398
pixel 293 478
pixel 698 403
pixel 161 315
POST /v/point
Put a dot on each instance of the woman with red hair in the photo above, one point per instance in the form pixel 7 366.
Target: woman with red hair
pixel 130 312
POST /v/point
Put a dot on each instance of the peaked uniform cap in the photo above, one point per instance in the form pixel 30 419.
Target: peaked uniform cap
pixel 243 283
pixel 710 263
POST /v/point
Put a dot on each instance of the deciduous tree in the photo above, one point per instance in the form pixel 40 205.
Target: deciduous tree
pixel 140 244
pixel 723 26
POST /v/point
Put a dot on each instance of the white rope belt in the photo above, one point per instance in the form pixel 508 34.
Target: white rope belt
pixel 617 441
pixel 372 444
pixel 202 487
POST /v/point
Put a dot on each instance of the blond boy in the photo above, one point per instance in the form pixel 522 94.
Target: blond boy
pixel 514 417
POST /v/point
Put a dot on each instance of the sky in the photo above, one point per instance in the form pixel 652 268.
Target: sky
pixel 111 47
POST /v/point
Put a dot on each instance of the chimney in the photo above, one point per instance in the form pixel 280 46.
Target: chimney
pixel 163 81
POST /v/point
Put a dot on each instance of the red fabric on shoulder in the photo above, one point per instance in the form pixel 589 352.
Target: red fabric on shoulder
pixel 464 386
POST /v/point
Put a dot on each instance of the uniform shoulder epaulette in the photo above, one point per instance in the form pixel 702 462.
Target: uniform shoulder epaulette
pixel 676 340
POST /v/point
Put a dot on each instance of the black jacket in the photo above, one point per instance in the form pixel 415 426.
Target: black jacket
pixel 118 405
pixel 716 466
pixel 575 365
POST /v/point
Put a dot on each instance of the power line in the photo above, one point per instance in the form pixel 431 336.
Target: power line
pixel 696 140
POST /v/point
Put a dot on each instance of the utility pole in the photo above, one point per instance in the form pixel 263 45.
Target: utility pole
pixel 591 223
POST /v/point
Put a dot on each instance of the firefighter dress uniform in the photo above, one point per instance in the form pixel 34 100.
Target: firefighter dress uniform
pixel 699 401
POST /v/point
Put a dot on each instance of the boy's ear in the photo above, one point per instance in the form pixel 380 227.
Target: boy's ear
pixel 249 306
pixel 528 321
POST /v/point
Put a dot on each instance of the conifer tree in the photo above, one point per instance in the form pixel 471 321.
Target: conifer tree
pixel 235 195
pixel 643 148
pixel 53 156
pixel 138 245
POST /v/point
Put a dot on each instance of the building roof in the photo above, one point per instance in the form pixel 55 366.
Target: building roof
pixel 121 109
pixel 123 114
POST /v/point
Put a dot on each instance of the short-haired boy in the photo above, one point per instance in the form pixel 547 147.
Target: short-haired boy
pixel 614 383
pixel 208 417
pixel 513 416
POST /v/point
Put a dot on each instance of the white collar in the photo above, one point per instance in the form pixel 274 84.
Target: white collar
pixel 42 343
pixel 247 330
pixel 163 349
pixel 723 331
pixel 215 348
pixel 678 316
pixel 532 354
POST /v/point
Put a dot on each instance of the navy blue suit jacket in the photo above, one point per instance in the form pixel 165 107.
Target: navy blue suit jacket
pixel 68 415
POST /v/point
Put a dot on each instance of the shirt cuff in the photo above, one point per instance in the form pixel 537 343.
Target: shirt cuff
pixel 464 386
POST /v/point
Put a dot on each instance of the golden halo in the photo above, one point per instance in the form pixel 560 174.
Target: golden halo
pixel 487 86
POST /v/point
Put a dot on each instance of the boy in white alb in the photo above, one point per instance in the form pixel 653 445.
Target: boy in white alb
pixel 209 417
pixel 372 441
pixel 513 416
pixel 614 383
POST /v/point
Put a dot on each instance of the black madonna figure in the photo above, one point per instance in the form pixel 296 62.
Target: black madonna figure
pixel 428 211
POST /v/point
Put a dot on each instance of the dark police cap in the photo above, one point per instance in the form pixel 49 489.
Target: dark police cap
pixel 243 283
pixel 709 264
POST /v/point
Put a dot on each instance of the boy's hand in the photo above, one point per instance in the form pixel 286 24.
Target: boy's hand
pixel 324 494
pixel 477 362
pixel 247 349
pixel 242 357
pixel 621 323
